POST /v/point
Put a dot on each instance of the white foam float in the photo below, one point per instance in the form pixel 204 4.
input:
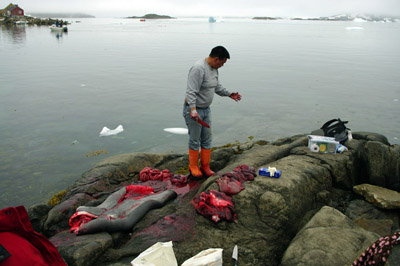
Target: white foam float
pixel 177 130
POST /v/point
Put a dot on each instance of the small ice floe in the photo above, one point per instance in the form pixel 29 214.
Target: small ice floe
pixel 110 132
pixel 83 85
pixel 354 28
pixel 75 142
pixel 359 20
pixel 396 100
pixel 177 130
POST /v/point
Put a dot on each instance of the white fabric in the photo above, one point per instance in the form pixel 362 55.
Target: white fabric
pixel 208 257
pixel 159 254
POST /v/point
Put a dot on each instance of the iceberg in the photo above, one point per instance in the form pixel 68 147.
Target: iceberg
pixel 110 132
pixel 359 20
pixel 354 28
pixel 177 130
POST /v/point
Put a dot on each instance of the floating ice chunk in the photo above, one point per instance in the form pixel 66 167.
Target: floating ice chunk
pixel 359 20
pixel 354 28
pixel 177 130
pixel 110 132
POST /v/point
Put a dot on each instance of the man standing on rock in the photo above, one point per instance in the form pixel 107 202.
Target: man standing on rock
pixel 201 85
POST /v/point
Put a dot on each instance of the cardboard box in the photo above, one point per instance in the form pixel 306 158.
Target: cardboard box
pixel 322 144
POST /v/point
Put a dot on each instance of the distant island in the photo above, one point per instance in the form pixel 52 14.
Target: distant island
pixel 348 17
pixel 153 16
pixel 342 17
pixel 61 15
pixel 266 18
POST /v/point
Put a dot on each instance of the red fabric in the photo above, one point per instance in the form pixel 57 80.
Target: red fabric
pixel 21 250
pixel 26 246
pixel 154 174
pixel 215 205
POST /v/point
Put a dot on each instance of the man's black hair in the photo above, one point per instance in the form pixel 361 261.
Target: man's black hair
pixel 220 52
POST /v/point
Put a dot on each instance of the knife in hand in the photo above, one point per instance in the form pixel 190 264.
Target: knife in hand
pixel 201 122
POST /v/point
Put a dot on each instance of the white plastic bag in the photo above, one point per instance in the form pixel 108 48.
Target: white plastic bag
pixel 159 254
pixel 208 257
pixel 109 132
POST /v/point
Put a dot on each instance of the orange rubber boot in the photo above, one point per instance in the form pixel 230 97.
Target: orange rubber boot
pixel 205 157
pixel 194 164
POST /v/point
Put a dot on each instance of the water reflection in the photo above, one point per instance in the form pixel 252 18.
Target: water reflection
pixel 58 35
pixel 15 34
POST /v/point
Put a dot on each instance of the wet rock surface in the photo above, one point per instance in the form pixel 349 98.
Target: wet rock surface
pixel 329 238
pixel 312 202
pixel 381 197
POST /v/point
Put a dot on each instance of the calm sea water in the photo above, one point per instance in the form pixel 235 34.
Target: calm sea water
pixel 57 91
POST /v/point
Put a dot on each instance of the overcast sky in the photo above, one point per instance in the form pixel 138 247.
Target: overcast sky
pixel 273 8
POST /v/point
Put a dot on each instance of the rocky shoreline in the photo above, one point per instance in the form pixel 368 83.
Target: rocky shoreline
pixel 32 21
pixel 316 213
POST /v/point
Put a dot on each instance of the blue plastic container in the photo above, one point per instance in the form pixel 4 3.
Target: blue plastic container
pixel 270 172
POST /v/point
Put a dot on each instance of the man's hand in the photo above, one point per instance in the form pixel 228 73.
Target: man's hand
pixel 235 96
pixel 194 115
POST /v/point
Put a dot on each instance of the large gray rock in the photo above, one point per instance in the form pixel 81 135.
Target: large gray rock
pixel 370 136
pixel 58 217
pixel 372 218
pixel 270 211
pixel 36 214
pixel 81 250
pixel 110 173
pixel 381 197
pixel 329 238
pixel 102 180
pixel 380 161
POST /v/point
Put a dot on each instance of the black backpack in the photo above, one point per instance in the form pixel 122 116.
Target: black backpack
pixel 335 128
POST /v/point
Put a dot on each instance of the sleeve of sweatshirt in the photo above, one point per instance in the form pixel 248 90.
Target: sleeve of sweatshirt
pixel 195 79
pixel 221 91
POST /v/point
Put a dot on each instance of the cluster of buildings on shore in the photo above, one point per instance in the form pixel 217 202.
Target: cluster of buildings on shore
pixel 13 14
pixel 13 11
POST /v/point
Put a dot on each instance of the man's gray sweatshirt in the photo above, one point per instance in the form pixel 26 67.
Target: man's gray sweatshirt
pixel 202 84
